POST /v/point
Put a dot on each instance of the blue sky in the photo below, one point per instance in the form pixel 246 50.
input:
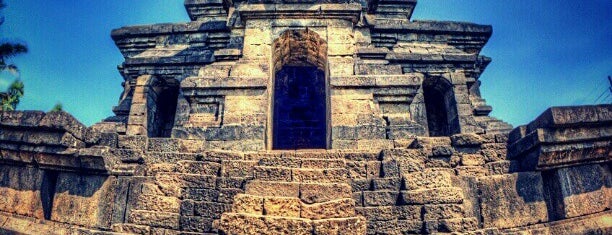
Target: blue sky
pixel 545 53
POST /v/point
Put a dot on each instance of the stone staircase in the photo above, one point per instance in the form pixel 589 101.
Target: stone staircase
pixel 186 196
pixel 295 193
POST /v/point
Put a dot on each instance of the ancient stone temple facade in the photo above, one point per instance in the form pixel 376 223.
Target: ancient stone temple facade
pixel 305 117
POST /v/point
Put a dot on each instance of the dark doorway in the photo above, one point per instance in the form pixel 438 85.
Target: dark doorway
pixel 441 107
pixel 165 94
pixel 47 192
pixel 299 108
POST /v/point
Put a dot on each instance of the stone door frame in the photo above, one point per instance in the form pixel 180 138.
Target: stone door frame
pixel 276 64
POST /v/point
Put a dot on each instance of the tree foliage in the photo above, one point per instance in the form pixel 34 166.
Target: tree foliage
pixel 57 108
pixel 10 99
pixel 12 96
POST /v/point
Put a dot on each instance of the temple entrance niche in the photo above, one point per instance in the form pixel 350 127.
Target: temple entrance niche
pixel 163 94
pixel 441 107
pixel 300 108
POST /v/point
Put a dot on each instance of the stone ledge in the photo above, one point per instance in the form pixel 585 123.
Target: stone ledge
pixel 435 27
pixel 598 115
pixel 40 121
pixel 224 82
pixel 404 80
pixel 209 25
pixel 563 136
pixel 350 11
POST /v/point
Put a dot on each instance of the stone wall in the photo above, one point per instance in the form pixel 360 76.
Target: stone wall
pixel 379 65
pixel 409 146
pixel 465 183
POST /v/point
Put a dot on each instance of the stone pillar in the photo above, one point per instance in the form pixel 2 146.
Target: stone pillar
pixel 137 119
pixel 465 110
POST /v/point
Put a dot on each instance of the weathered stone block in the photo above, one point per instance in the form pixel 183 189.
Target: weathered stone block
pixel 20 191
pixel 577 191
pixel 341 208
pixel 83 200
pixel 131 229
pixel 238 168
pixel 390 168
pixel 382 227
pixel 231 182
pixel 441 151
pixel 356 169
pixel 273 189
pixel 163 145
pixel 150 202
pixel 380 198
pixel 458 225
pixel 249 204
pixel 433 196
pixel 210 209
pixel 185 180
pixel 155 219
pixel 226 195
pixel 377 213
pixel 279 225
pixel 408 212
pixel 319 175
pixel 409 226
pixel 272 173
pixel 461 140
pixel 321 192
pixel 432 178
pixel 512 200
pixel 282 206
pixel 232 223
pixel 502 167
pixel 444 211
pixel 471 171
pixel 472 160
pixel 195 167
pixel 347 226
pixel 196 224
pixel 373 169
pixel 387 184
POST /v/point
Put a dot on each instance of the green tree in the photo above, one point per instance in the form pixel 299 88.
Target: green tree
pixel 12 96
pixel 10 99
pixel 58 107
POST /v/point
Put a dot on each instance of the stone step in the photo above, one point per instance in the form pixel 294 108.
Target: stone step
pixel 279 161
pixel 331 175
pixel 151 202
pixel 234 223
pixel 458 225
pixel 322 192
pixel 340 226
pixel 308 192
pixel 328 175
pixel 319 154
pixel 292 207
pixel 273 188
pixel 315 163
pixel 199 167
pixel 131 229
pixel 272 173
pixel 340 208
pixel 154 219
pixel 448 195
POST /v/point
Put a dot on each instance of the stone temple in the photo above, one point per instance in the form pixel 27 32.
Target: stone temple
pixel 305 117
